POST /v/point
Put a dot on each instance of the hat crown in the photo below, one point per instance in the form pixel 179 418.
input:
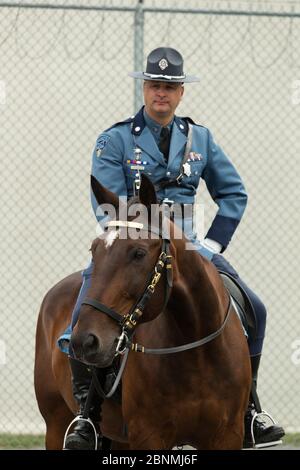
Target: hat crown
pixel 165 61
pixel 165 64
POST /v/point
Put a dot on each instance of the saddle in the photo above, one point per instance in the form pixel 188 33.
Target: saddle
pixel 242 302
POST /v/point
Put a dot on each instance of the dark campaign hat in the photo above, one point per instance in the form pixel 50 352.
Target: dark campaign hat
pixel 165 64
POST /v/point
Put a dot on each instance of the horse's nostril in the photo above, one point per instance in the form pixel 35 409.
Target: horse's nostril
pixel 90 345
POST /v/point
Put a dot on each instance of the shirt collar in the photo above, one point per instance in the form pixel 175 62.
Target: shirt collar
pixel 154 126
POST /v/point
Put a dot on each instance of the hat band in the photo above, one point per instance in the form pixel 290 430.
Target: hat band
pixel 168 77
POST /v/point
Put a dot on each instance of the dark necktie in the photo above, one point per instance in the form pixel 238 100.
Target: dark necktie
pixel 164 143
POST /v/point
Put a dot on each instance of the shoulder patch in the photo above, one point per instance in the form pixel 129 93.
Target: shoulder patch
pixel 102 141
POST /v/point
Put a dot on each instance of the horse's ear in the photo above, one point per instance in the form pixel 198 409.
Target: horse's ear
pixel 103 195
pixel 147 194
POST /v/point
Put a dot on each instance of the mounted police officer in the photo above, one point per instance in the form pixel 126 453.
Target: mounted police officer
pixel 155 142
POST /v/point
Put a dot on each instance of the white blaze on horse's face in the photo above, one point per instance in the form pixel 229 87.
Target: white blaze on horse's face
pixel 111 237
pixel 113 234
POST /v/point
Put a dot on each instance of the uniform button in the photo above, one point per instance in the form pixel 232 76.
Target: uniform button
pixel 181 126
pixel 196 172
pixel 137 128
pixel 155 129
pixel 168 173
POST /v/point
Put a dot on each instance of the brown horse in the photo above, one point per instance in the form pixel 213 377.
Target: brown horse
pixel 161 295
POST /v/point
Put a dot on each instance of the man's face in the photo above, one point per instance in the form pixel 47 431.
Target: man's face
pixel 162 98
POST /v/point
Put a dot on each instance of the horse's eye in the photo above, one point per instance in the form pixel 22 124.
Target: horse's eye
pixel 139 253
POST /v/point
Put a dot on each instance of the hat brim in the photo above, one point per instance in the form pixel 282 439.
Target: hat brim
pixel 161 78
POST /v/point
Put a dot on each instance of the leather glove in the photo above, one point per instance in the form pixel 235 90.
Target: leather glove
pixel 209 248
pixel 206 252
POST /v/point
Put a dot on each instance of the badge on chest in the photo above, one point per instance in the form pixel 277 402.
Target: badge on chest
pixel 186 169
pixel 192 157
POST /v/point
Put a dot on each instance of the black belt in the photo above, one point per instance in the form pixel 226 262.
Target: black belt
pixel 172 211
pixel 167 183
pixel 170 203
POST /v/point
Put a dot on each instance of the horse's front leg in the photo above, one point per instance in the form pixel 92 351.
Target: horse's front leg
pixel 146 435
pixel 228 437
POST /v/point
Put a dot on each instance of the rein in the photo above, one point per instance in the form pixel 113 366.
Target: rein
pixel 185 347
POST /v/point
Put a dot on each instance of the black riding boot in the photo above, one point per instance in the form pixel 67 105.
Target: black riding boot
pixel 83 436
pixel 263 435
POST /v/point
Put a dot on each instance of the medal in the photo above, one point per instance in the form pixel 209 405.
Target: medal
pixel 193 156
pixel 137 166
pixel 137 153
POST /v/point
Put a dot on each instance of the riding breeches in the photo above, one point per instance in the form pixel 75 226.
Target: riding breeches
pixel 255 344
pixel 63 341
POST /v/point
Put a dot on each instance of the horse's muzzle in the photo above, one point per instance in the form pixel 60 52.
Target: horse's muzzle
pixel 88 348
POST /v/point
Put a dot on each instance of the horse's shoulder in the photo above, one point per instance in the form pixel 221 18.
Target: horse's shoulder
pixel 63 294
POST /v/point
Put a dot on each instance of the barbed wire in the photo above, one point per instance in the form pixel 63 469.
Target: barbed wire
pixel 288 46
pixel 279 55
pixel 27 54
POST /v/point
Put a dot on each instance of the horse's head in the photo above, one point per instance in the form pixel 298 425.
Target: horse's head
pixel 131 275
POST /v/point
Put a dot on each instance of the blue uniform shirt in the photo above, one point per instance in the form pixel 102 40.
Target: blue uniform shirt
pixel 155 128
pixel 114 152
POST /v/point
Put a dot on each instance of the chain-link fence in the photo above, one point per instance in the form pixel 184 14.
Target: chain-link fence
pixel 63 79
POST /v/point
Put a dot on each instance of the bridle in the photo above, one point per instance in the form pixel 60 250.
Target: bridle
pixel 129 321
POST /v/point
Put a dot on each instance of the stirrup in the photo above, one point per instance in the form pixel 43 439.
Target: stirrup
pixel 87 420
pixel 264 444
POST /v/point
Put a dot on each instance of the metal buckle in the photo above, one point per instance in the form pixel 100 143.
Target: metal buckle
pixel 167 201
pixel 179 178
pixel 129 321
pixel 123 339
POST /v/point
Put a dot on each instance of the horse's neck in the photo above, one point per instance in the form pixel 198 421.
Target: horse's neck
pixel 198 300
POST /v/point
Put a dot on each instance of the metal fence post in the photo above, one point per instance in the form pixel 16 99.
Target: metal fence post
pixel 138 52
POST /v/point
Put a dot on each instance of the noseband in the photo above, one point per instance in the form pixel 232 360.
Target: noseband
pixel 129 321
